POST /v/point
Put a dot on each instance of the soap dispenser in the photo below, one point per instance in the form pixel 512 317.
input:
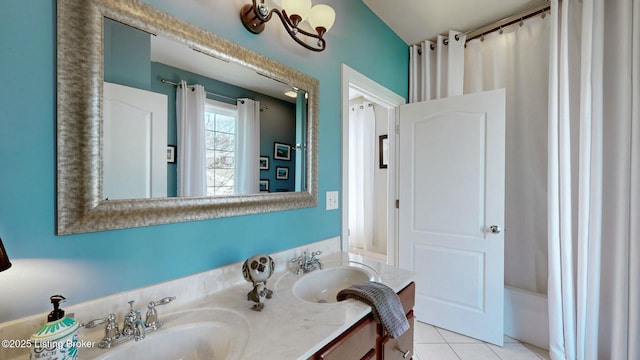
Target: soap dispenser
pixel 58 338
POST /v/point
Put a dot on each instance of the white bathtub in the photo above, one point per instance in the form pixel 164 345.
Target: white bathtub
pixel 526 316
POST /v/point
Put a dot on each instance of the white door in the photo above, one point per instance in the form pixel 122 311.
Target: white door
pixel 134 143
pixel 451 181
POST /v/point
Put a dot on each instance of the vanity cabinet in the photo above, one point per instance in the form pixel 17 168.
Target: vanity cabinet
pixel 359 342
pixel 368 340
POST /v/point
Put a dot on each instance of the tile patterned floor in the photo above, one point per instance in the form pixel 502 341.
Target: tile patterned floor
pixel 432 343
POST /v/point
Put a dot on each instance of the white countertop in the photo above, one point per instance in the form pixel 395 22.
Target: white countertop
pixel 287 327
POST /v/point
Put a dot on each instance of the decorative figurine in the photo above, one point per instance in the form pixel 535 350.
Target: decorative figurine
pixel 257 270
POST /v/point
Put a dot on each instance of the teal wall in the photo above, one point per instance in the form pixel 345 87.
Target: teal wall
pixel 127 55
pixel 87 266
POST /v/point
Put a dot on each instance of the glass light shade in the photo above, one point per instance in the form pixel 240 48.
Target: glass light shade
pixel 291 93
pixel 322 16
pixel 297 7
pixel 4 259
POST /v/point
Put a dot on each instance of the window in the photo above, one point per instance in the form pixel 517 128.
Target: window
pixel 220 137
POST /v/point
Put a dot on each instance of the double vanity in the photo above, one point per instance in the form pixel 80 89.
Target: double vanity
pixel 301 321
pixel 212 318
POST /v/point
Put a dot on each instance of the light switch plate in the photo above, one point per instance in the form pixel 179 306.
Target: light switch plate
pixel 332 200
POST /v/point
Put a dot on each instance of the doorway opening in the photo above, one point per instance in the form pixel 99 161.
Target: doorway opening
pixel 369 214
pixel 368 176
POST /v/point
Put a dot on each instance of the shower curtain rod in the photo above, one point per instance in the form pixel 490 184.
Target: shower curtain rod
pixel 497 25
pixel 509 20
pixel 165 81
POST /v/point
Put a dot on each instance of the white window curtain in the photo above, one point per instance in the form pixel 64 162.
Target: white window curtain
pixel 518 60
pixel 362 156
pixel 191 148
pixel 594 180
pixel 437 69
pixel 247 163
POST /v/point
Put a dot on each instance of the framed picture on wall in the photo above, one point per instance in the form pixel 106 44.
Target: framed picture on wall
pixel 264 163
pixel 383 151
pixel 281 151
pixel 282 173
pixel 171 154
pixel 264 185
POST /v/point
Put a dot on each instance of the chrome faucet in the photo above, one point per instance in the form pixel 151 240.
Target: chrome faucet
pixel 307 263
pixel 132 327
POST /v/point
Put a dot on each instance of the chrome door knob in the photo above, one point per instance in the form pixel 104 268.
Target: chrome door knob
pixel 495 229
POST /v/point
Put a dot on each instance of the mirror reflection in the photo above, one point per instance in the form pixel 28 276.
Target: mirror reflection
pixel 82 44
pixel 179 123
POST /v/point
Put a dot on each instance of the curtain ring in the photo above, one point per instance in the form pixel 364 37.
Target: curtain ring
pixel 432 47
pixel 445 41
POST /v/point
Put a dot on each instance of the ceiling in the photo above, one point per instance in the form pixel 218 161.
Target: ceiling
pixel 178 55
pixel 418 20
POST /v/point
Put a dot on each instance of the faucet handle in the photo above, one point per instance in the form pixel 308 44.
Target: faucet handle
pixel 316 253
pixel 151 318
pixel 111 331
pixel 96 322
pixel 163 301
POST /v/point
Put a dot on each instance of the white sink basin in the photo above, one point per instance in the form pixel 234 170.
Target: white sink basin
pixel 206 333
pixel 322 286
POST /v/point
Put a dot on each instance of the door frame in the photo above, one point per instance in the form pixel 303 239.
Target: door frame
pixel 391 101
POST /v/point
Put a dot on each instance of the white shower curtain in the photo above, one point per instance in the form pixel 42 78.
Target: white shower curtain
pixel 619 335
pixel 362 155
pixel 574 179
pixel 437 68
pixel 518 60
pixel 594 180
pixel 247 177
pixel 191 161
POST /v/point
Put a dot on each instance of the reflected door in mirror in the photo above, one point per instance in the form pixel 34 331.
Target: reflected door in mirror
pixel 135 143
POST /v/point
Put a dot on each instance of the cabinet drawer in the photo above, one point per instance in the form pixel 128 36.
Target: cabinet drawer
pixel 358 342
pixel 400 348
pixel 408 297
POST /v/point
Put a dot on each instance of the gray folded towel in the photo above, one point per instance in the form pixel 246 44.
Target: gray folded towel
pixel 385 305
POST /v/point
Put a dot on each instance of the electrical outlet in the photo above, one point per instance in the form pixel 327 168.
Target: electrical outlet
pixel 332 200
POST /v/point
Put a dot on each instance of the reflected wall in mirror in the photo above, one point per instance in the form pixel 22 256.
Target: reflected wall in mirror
pixel 144 65
pixel 93 195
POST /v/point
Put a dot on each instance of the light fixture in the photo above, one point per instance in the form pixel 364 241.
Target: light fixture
pixel 320 17
pixel 292 93
pixel 4 259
